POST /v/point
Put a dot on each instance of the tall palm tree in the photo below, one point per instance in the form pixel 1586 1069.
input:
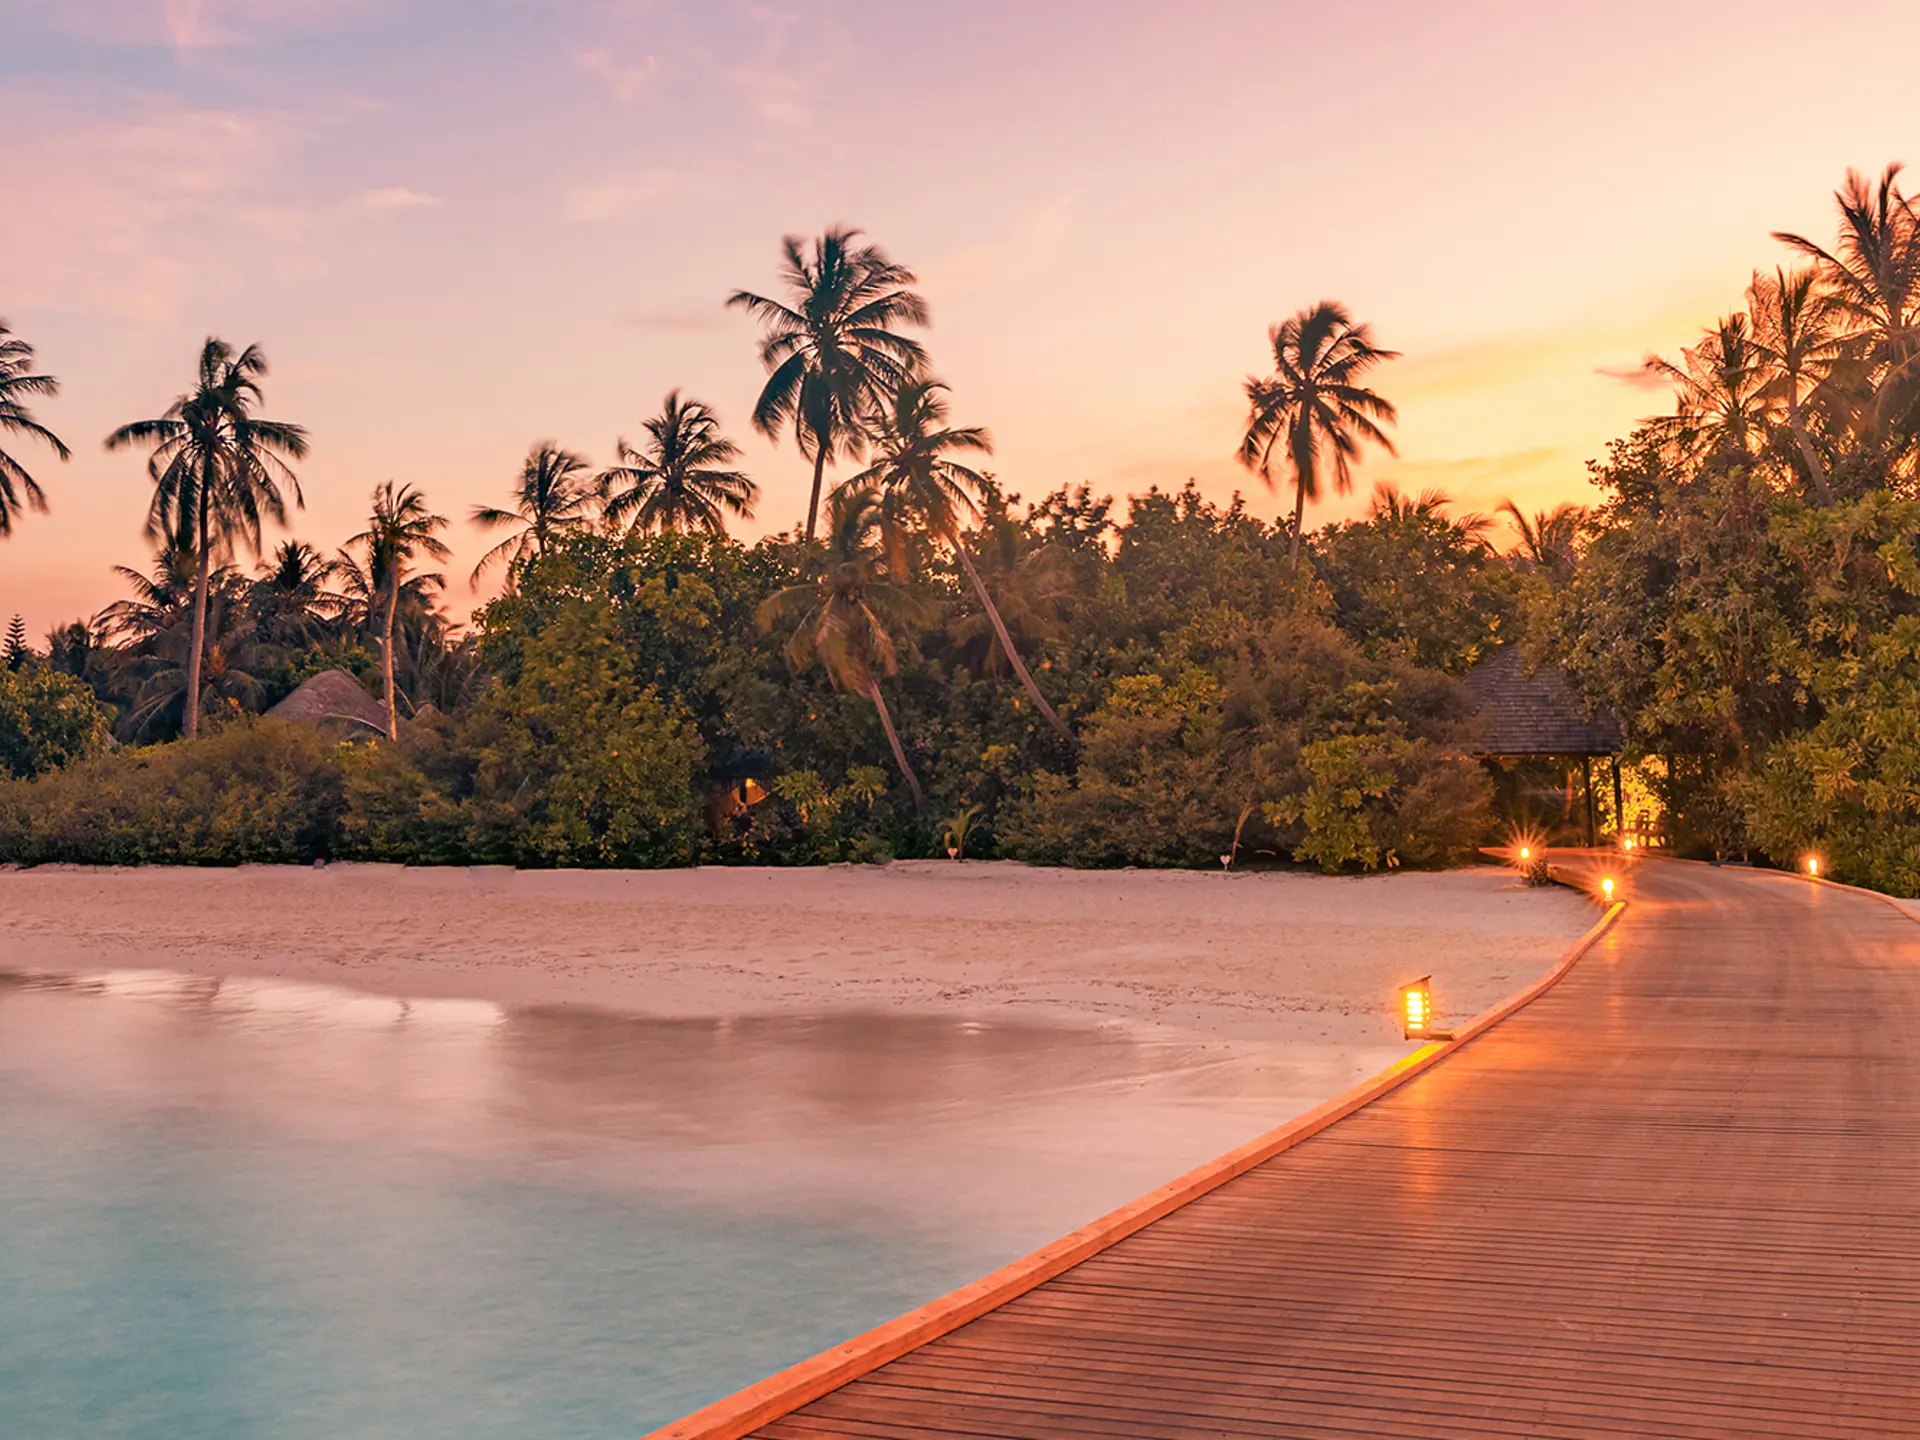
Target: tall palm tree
pixel 847 614
pixel 1312 409
pixel 1549 539
pixel 555 495
pixel 400 529
pixel 913 467
pixel 831 351
pixel 17 381
pixel 678 480
pixel 217 471
pixel 1795 335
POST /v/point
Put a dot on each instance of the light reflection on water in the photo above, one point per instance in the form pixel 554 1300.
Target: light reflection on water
pixel 246 1208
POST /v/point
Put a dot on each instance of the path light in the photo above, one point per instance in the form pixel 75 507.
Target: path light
pixel 1606 887
pixel 1416 1009
pixel 1526 852
pixel 1416 1012
pixel 1627 844
pixel 1813 866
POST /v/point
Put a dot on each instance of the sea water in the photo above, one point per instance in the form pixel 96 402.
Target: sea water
pixel 248 1208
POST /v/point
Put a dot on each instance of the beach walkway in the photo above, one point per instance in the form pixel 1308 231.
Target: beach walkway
pixel 1677 1195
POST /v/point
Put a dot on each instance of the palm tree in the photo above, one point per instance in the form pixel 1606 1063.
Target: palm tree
pixel 832 354
pixel 1722 410
pixel 1874 276
pixel 17 381
pixel 400 528
pixel 678 480
pixel 1428 509
pixel 1795 335
pixel 217 470
pixel 1312 407
pixel 847 614
pixel 913 468
pixel 1032 579
pixel 155 628
pixel 554 496
pixel 1549 539
pixel 291 601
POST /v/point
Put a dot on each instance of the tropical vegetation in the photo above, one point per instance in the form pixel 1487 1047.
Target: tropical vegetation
pixel 928 664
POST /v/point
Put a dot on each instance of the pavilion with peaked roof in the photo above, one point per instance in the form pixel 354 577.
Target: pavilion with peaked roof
pixel 1527 714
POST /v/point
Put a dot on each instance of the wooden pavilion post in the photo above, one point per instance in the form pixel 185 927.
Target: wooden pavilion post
pixel 1586 770
pixel 1619 809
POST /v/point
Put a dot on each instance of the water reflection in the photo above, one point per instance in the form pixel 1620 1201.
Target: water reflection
pixel 448 1217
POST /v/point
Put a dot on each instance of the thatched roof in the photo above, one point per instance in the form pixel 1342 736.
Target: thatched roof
pixel 334 700
pixel 1533 713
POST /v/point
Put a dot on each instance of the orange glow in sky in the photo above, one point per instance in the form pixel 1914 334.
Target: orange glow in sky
pixel 458 229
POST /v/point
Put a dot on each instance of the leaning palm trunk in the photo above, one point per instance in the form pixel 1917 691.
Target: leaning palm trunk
pixel 1006 642
pixel 1815 470
pixel 190 722
pixel 393 707
pixel 1299 519
pixel 893 739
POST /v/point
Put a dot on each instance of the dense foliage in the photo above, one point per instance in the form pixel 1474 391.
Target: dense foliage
pixel 1749 589
pixel 933 667
pixel 627 685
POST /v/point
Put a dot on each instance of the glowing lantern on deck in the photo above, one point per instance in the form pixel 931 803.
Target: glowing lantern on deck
pixel 1606 887
pixel 1526 852
pixel 1813 866
pixel 1416 1009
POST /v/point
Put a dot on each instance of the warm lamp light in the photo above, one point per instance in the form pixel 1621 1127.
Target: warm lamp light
pixel 1813 866
pixel 1416 1009
pixel 1606 887
pixel 1627 844
pixel 1526 852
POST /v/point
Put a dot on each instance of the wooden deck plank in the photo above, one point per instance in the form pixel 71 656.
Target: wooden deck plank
pixel 1678 1195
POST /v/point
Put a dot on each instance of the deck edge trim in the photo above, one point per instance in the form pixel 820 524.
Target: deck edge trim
pixel 737 1415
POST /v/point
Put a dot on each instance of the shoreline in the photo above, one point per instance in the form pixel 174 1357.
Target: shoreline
pixel 1253 956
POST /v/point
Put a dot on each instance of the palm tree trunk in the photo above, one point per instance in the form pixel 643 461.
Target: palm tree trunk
pixel 893 739
pixel 190 722
pixel 1815 470
pixel 393 707
pixel 1299 518
pixel 819 474
pixel 1006 642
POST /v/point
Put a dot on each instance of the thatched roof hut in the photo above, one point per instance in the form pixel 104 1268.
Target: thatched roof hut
pixel 1534 715
pixel 1524 712
pixel 333 701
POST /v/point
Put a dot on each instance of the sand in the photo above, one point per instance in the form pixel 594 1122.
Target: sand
pixel 1251 957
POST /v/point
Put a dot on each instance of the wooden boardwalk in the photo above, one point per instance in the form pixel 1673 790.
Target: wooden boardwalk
pixel 1678 1195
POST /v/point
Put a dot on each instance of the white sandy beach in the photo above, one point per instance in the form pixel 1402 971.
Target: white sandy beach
pixel 1265 957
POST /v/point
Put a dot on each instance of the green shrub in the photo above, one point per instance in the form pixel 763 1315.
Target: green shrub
pixel 579 764
pixel 251 791
pixel 47 720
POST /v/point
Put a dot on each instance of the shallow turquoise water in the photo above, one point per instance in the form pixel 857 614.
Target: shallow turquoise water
pixel 240 1209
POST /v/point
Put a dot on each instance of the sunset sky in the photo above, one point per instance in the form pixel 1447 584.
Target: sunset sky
pixel 460 226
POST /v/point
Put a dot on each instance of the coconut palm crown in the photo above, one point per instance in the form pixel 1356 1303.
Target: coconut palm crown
pixel 830 347
pixel 18 489
pixel 555 495
pixel 679 478
pixel 1312 412
pixel 919 482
